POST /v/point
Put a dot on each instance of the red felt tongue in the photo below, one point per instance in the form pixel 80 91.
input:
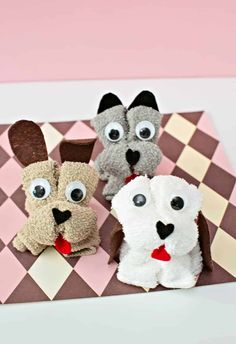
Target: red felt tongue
pixel 131 177
pixel 161 254
pixel 62 245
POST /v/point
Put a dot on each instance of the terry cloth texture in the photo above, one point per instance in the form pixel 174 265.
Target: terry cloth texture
pixel 156 232
pixel 142 118
pixel 28 278
pixel 55 218
pixel 41 229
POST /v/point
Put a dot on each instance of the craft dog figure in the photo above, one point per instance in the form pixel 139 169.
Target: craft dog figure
pixel 56 197
pixel 129 138
pixel 163 235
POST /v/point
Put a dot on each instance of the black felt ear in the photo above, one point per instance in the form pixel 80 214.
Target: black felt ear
pixel 108 101
pixel 145 98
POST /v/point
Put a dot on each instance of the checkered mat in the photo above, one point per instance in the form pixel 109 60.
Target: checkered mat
pixel 191 150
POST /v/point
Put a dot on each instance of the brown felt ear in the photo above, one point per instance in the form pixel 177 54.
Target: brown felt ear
pixel 204 240
pixel 117 236
pixel 27 142
pixel 77 150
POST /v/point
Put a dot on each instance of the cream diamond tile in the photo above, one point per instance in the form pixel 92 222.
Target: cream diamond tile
pixel 52 136
pixel 214 205
pixel 223 251
pixel 193 163
pixel 50 271
pixel 112 212
pixel 180 128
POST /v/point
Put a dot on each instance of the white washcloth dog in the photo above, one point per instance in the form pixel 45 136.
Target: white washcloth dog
pixel 159 234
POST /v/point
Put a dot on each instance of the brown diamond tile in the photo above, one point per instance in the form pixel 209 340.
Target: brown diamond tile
pixel 177 171
pixel 63 127
pixel 218 275
pixel 74 288
pixel 192 117
pixel 87 122
pixel 25 258
pixel 228 222
pixel 55 154
pixel 170 147
pixel 105 232
pixel 219 180
pixel 203 143
pixel 3 197
pixel 27 291
pixel 3 157
pixel 165 119
pixel 116 287
pixel 98 148
pixel 99 196
pixel 72 260
pixel 18 198
pixel 1 245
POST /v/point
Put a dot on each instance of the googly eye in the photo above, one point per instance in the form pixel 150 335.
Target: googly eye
pixel 40 188
pixel 177 203
pixel 139 200
pixel 114 132
pixel 145 130
pixel 75 192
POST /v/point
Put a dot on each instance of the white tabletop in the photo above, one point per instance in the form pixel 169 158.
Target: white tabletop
pixel 201 315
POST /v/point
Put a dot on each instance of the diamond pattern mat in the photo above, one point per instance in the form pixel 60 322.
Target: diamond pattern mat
pixel 191 150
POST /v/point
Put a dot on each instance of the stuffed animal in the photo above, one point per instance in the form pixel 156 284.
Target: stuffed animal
pixel 57 197
pixel 163 235
pixel 129 138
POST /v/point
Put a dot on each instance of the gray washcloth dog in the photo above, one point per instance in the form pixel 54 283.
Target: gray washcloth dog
pixel 129 138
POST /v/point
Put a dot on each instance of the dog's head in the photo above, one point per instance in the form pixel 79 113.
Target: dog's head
pixel 57 197
pixel 129 135
pixel 161 211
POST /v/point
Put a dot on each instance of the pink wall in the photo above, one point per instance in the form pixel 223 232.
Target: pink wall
pixel 77 39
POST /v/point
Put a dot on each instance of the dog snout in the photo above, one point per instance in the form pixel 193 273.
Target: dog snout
pixel 132 157
pixel 61 216
pixel 164 230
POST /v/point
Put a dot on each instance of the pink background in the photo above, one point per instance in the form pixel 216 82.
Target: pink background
pixel 83 39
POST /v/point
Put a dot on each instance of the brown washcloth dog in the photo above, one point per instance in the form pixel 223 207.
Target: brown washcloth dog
pixel 57 197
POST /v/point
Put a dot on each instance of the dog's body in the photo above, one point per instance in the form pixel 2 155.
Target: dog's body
pixel 160 243
pixel 129 138
pixel 57 197
pixel 138 269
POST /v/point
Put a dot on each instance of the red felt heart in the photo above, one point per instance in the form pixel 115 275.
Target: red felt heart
pixel 160 253
pixel 62 245
pixel 131 177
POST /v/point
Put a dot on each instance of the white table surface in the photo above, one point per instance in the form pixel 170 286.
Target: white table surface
pixel 201 315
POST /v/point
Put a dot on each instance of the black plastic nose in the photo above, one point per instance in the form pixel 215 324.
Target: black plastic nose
pixel 132 157
pixel 164 230
pixel 61 216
